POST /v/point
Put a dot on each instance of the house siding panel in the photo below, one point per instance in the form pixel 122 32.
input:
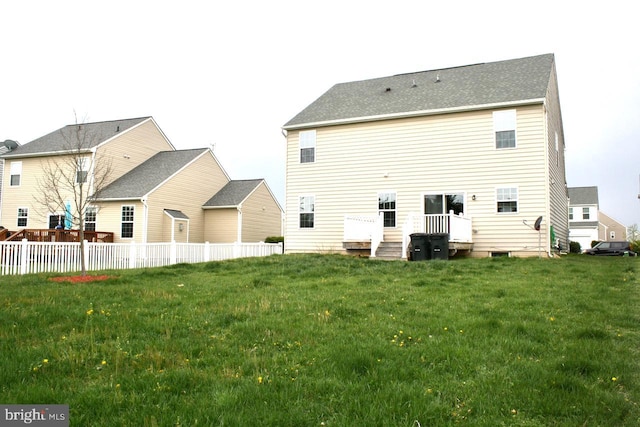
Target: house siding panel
pixel 260 216
pixel 186 191
pixel 133 148
pixel 452 152
pixel 221 225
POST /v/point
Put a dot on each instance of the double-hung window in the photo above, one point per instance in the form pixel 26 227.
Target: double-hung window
pixel 23 217
pixel 126 224
pixel 307 146
pixel 16 174
pixel 387 207
pixel 507 199
pixel 585 213
pixel 571 214
pixel 504 126
pixel 90 218
pixel 307 211
pixel 82 169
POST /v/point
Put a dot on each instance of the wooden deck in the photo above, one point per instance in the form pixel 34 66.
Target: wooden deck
pixel 53 235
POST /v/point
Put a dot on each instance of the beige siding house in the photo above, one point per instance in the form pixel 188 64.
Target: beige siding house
pixel 243 210
pixel 474 152
pixel 587 223
pixel 154 193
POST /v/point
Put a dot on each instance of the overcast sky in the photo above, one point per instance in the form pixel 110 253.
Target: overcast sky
pixel 232 73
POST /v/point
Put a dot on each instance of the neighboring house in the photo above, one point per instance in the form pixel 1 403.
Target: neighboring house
pixel 475 151
pixel 610 229
pixel 5 147
pixel 587 223
pixel 154 194
pixel 583 215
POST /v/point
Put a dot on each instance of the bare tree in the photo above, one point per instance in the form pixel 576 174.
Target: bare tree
pixel 72 181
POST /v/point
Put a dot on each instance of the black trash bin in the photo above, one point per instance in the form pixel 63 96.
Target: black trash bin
pixel 439 246
pixel 419 247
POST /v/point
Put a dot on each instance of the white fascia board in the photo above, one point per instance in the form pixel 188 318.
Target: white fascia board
pixel 414 114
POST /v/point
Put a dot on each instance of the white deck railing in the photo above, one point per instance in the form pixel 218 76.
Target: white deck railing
pixel 361 228
pixel 457 226
pixel 27 257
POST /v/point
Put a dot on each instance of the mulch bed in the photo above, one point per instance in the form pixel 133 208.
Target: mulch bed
pixel 80 279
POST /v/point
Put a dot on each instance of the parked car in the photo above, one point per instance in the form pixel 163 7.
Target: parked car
pixel 611 249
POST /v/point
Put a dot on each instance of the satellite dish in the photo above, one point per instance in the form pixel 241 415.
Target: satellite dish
pixel 537 223
pixel 10 144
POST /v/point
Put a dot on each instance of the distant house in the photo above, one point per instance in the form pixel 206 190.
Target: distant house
pixel 587 223
pixel 475 151
pixel 583 215
pixel 154 194
pixel 610 229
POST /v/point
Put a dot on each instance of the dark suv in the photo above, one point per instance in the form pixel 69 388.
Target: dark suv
pixel 611 249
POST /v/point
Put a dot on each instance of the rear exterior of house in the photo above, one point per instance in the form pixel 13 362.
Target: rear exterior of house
pixel 476 152
pixel 126 143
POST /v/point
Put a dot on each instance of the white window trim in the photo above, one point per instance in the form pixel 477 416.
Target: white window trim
pixel 95 209
pixel 444 194
pixel 26 209
pixel 395 193
pixel 300 211
pixel 83 165
pixel 307 139
pixel 517 199
pixel 127 222
pixel 15 169
pixel 505 120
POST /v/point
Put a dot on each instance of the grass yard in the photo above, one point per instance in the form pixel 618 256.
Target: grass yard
pixel 310 340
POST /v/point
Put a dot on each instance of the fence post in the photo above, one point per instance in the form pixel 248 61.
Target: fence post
pixel 86 254
pixel 132 255
pixel 205 255
pixel 23 256
pixel 172 252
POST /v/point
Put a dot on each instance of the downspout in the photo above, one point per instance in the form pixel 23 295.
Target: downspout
pixel 239 228
pixel 145 219
pixel 547 181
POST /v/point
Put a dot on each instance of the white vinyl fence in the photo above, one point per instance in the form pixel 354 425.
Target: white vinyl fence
pixel 27 257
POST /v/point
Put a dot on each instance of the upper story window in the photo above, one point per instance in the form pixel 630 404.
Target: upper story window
pixel 307 211
pixel 23 217
pixel 571 213
pixel 585 213
pixel 307 146
pixel 126 225
pixel 507 199
pixel 82 170
pixel 504 126
pixel 387 207
pixel 16 174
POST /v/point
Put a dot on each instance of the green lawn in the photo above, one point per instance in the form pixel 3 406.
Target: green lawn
pixel 310 340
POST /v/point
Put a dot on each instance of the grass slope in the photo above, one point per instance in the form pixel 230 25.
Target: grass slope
pixel 310 340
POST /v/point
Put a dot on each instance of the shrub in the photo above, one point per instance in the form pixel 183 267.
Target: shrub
pixel 575 248
pixel 274 239
pixel 635 245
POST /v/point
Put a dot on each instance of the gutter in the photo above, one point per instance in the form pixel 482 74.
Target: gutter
pixel 413 114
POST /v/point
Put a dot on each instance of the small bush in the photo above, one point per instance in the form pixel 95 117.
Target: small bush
pixel 575 247
pixel 635 245
pixel 274 239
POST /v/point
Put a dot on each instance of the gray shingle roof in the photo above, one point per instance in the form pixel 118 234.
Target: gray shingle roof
pixel 147 176
pixel 66 138
pixel 176 214
pixel 476 85
pixel 233 193
pixel 583 195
